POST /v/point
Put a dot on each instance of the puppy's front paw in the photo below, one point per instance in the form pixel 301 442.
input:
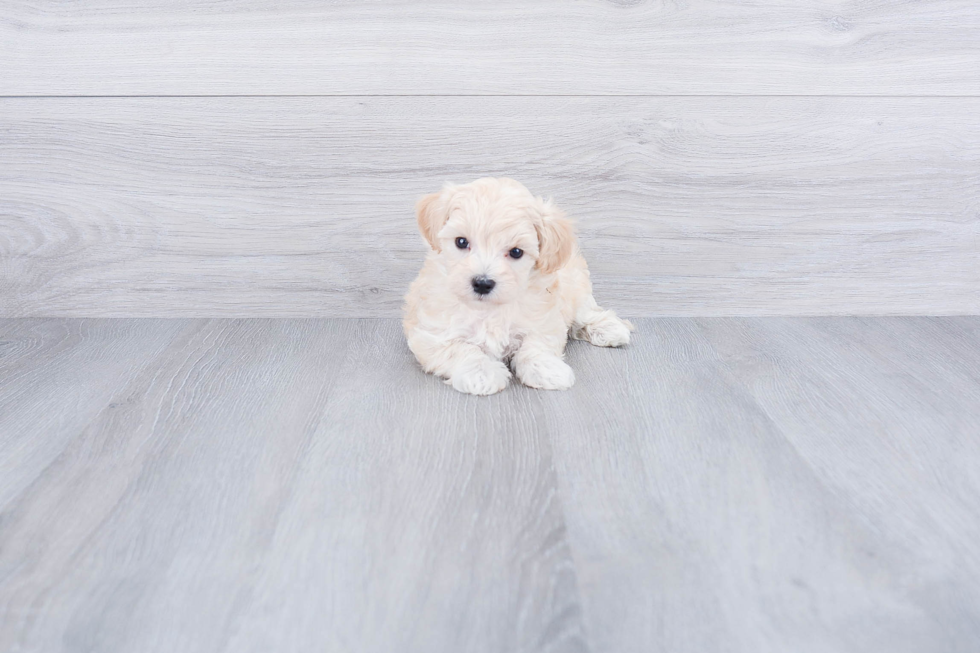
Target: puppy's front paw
pixel 609 331
pixel 481 377
pixel 546 372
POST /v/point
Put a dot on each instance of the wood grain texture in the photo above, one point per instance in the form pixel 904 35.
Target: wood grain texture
pixel 303 206
pixel 775 47
pixel 755 484
pixel 776 485
pixel 261 488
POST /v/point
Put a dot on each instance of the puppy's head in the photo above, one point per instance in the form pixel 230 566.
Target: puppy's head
pixel 492 236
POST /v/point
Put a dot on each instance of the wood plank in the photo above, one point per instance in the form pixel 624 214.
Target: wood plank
pixel 775 484
pixel 701 47
pixel 57 376
pixel 285 485
pixel 303 206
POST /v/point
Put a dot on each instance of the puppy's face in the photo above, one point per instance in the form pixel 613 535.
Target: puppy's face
pixel 491 236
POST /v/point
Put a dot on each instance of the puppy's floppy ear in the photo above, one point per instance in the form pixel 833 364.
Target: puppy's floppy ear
pixel 556 238
pixel 430 211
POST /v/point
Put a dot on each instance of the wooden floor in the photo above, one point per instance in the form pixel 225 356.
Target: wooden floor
pixel 722 484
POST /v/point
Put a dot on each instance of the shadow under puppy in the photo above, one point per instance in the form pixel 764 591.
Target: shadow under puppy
pixel 504 282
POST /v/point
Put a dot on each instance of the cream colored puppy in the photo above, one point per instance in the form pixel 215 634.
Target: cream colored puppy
pixel 504 282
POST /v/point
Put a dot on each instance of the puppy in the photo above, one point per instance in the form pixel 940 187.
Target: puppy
pixel 503 282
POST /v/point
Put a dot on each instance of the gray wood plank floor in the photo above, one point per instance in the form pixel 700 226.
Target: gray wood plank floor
pixel 291 207
pixel 449 47
pixel 722 484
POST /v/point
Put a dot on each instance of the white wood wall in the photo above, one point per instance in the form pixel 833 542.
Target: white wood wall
pixel 262 158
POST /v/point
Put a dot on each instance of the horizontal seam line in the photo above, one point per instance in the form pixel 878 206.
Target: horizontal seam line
pixel 480 95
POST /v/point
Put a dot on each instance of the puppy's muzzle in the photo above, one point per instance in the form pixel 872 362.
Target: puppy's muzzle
pixel 483 285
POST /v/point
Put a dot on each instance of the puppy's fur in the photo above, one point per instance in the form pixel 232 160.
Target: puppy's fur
pixel 536 301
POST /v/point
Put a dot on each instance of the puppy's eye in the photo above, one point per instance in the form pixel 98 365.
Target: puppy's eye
pixel 517 252
pixel 462 243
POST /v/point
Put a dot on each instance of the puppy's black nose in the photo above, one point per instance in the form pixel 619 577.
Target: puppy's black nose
pixel 483 285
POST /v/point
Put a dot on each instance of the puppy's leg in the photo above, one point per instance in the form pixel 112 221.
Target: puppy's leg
pixel 588 321
pixel 600 327
pixel 538 364
pixel 476 373
pixel 465 366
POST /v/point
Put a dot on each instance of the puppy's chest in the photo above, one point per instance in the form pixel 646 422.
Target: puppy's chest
pixel 498 337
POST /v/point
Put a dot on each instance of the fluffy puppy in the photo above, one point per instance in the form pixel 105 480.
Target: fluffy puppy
pixel 504 282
